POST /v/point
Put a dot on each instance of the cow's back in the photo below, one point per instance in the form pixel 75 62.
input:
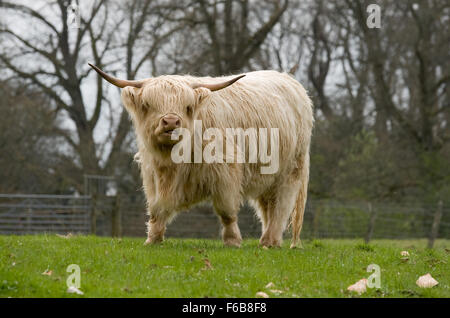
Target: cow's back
pixel 263 99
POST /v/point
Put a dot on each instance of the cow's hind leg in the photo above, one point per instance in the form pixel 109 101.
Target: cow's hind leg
pixel 228 211
pixel 276 207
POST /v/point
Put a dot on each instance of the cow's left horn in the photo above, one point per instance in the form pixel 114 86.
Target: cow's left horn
pixel 216 87
pixel 116 81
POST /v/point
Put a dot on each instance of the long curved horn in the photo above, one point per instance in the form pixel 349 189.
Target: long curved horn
pixel 216 87
pixel 116 81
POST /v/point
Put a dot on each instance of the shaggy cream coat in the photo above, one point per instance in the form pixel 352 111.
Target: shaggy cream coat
pixel 262 99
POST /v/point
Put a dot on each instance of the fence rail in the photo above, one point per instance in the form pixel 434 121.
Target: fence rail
pixel 122 216
pixel 34 213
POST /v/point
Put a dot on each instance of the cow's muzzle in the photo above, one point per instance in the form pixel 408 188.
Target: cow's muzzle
pixel 167 124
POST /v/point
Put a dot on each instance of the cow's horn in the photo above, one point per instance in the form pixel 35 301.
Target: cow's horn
pixel 216 87
pixel 116 81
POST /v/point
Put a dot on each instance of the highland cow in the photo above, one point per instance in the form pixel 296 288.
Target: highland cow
pixel 263 99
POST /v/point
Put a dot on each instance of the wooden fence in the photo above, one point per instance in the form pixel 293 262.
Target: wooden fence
pixel 125 216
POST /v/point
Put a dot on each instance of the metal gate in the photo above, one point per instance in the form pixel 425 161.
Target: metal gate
pixel 36 213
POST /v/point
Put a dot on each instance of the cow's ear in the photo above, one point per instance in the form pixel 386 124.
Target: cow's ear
pixel 201 95
pixel 130 98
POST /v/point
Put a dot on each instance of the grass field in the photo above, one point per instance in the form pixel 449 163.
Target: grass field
pixel 205 268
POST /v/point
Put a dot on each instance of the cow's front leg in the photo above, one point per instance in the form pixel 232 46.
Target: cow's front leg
pixel 156 228
pixel 231 235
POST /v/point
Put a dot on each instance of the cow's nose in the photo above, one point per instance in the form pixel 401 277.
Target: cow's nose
pixel 170 122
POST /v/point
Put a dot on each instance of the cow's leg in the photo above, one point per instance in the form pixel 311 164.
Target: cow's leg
pixel 301 173
pixel 261 205
pixel 156 227
pixel 276 208
pixel 227 211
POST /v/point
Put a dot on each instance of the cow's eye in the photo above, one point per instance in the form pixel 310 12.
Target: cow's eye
pixel 189 110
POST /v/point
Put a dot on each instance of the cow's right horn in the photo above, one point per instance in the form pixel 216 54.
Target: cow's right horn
pixel 116 81
pixel 218 86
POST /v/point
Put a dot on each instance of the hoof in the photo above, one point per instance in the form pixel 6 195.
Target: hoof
pixel 153 241
pixel 235 242
pixel 231 235
pixel 269 243
pixel 298 245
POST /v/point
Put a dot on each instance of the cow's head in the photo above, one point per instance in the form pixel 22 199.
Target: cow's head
pixel 160 105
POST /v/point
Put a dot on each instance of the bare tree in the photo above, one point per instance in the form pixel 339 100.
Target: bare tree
pixel 418 53
pixel 223 37
pixel 61 51
pixel 27 140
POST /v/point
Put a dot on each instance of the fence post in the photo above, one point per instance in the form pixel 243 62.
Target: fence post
pixel 29 212
pixel 371 225
pixel 94 214
pixel 116 218
pixel 316 221
pixel 435 226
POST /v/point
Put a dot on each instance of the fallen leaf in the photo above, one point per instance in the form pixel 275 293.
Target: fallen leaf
pixel 270 285
pixel 404 253
pixel 47 272
pixel 207 264
pixel 74 290
pixel 276 291
pixel 127 290
pixel 262 295
pixel 358 287
pixel 426 281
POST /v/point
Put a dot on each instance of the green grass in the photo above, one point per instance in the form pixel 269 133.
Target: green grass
pixel 127 268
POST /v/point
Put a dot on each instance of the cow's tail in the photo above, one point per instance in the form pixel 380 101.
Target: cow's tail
pixel 299 209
